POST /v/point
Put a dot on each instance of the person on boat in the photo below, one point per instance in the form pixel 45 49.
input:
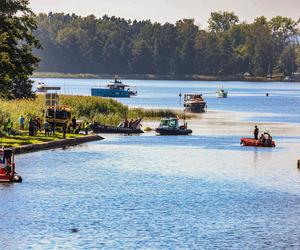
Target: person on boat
pixel 74 124
pixel 22 122
pixel 269 139
pixel 126 123
pixel 256 132
pixel 130 125
pixel 137 124
pixel 262 138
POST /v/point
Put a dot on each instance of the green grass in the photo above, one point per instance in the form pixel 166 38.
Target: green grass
pixel 25 139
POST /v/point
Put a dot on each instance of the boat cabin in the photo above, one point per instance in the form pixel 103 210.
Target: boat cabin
pixel 193 97
pixel 118 85
pixel 194 103
pixel 169 123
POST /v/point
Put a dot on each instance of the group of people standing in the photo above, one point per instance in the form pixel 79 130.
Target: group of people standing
pixel 36 125
pixel 132 124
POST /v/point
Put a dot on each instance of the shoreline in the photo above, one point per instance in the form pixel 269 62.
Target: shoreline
pixel 160 77
pixel 30 148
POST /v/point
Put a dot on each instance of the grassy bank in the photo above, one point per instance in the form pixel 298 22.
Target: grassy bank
pixel 92 109
pixel 24 139
pixel 157 77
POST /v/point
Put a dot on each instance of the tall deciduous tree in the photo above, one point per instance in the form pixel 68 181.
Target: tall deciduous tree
pixel 222 21
pixel 17 23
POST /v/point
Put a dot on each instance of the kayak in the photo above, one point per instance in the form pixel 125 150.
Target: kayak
pixel 173 131
pixel 98 128
pixel 256 143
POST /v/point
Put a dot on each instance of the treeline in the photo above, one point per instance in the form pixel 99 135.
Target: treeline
pixel 75 44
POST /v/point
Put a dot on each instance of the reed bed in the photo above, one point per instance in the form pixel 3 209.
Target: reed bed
pixel 93 109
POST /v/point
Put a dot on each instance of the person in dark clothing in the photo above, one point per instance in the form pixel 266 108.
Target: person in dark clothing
pixel 52 128
pixel 31 127
pixel 74 124
pixel 262 138
pixel 130 123
pixel 256 132
pixel 64 129
pixel 47 128
pixel 126 123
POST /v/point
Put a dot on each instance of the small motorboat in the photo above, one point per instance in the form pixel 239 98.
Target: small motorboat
pixel 221 93
pixel 194 103
pixel 8 166
pixel 169 126
pixel 257 143
pixel 134 128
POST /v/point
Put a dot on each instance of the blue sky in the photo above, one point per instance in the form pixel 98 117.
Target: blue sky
pixel 171 10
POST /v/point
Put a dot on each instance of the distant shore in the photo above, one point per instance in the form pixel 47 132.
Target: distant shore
pixel 277 78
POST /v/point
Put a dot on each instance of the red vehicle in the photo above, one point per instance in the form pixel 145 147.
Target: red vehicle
pixel 8 166
pixel 257 143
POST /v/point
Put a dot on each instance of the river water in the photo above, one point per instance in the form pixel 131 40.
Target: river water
pixel 202 191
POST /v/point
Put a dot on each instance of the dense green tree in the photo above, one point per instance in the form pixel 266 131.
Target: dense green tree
pixel 288 61
pixel 17 62
pixel 260 47
pixel 114 45
pixel 222 21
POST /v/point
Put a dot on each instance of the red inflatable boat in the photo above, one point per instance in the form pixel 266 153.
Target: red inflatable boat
pixel 256 143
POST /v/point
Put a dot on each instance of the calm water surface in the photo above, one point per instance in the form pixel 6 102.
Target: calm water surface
pixel 203 191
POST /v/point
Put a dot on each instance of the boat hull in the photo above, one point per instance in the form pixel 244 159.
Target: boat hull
pixel 221 95
pixel 11 177
pixel 196 107
pixel 101 129
pixel 169 131
pixel 256 143
pixel 117 93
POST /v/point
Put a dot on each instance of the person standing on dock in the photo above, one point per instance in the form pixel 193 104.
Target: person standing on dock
pixel 256 132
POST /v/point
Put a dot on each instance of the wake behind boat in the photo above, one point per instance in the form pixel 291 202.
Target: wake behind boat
pixel 114 89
